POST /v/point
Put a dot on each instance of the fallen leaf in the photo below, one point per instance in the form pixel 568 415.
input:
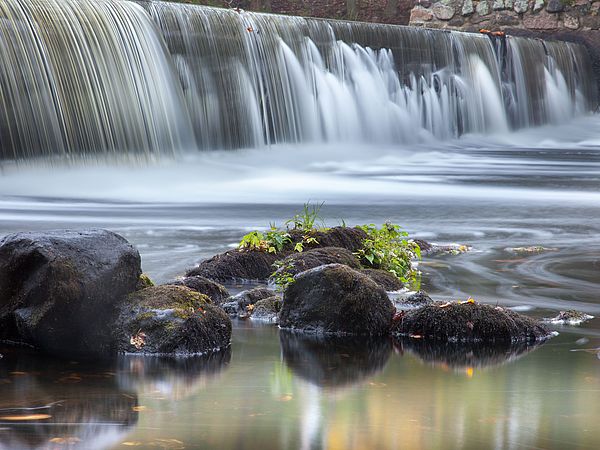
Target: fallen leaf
pixel 138 340
pixel 26 417
pixel 286 398
pixel 138 408
pixel 445 305
pixel 132 443
pixel 65 440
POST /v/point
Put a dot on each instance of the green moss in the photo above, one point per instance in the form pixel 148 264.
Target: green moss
pixel 144 282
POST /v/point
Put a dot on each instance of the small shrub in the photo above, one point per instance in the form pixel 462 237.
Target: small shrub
pixel 273 241
pixel 388 248
pixel 282 276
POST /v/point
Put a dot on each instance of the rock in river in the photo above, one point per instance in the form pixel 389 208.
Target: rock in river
pixel 170 320
pixel 58 289
pixel 335 299
pixel 469 322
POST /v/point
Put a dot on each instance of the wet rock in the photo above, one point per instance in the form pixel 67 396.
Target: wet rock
pixel 570 317
pixel 267 309
pixel 446 249
pixel 299 262
pixel 170 320
pixel 383 278
pixel 215 291
pixel 507 18
pixel 336 299
pixel 420 15
pixel 498 5
pixel 332 361
pixel 470 322
pixel 417 299
pixel 443 12
pixel 241 305
pixel 258 265
pixel 530 250
pixel 59 289
pixel 236 265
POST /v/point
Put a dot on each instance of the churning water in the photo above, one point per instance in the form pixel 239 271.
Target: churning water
pixel 107 112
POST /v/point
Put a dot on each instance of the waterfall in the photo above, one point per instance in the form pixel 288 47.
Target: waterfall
pixel 85 77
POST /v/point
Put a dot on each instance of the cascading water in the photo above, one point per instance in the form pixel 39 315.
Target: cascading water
pixel 109 76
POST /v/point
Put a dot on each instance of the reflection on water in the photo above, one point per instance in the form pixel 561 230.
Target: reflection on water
pixel 463 356
pixel 334 362
pixel 48 403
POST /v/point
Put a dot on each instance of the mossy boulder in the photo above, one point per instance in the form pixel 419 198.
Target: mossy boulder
pixel 335 299
pixel 215 291
pixel 244 264
pixel 144 282
pixel 300 262
pixel 348 238
pixel 236 265
pixel 469 322
pixel 173 320
pixel 59 289
pixel 385 279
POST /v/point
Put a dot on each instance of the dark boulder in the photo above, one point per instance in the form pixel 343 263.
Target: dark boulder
pixel 236 265
pixel 336 299
pixel 243 264
pixel 385 279
pixel 170 320
pixel 215 291
pixel 58 289
pixel 300 262
pixel 470 322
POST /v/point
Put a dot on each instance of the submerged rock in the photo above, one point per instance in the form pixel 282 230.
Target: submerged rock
pixel 215 291
pixel 383 278
pixel 333 361
pixel 336 299
pixel 470 322
pixel 170 320
pixel 570 317
pixel 59 289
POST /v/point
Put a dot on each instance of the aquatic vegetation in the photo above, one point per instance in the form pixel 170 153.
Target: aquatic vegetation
pixel 389 248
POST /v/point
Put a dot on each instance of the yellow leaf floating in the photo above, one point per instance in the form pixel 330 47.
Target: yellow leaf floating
pixel 65 440
pixel 139 408
pixel 286 398
pixel 25 417
pixel 132 443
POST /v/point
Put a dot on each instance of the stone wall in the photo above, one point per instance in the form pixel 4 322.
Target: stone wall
pixel 569 20
pixel 383 11
pixel 537 15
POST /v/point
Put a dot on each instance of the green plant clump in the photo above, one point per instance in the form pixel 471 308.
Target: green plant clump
pixel 388 248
